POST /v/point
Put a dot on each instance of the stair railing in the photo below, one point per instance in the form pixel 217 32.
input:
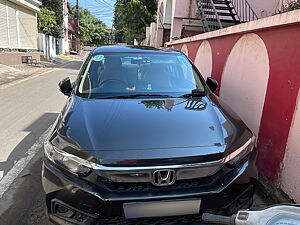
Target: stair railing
pixel 244 10
pixel 209 15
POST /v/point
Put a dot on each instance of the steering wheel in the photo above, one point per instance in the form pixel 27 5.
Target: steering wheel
pixel 114 81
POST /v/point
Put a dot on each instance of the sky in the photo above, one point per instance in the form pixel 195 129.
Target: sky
pixel 103 9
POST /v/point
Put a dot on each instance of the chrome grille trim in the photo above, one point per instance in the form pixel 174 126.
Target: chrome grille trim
pixel 143 168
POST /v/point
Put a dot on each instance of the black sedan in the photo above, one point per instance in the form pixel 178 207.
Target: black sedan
pixel 143 138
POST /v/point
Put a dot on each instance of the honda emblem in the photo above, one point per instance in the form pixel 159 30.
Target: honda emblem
pixel 164 177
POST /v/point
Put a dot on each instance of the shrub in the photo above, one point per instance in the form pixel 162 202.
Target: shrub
pixel 290 6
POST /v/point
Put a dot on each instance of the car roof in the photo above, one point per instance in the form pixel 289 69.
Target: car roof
pixel 132 49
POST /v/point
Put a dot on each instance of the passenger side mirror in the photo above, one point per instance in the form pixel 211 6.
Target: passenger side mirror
pixel 212 84
pixel 65 86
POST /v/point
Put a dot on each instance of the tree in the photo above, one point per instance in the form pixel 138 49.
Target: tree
pixel 290 6
pixel 55 6
pixel 132 17
pixel 92 30
pixel 117 23
pixel 47 21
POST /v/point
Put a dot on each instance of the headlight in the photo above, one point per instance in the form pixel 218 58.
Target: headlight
pixel 240 153
pixel 67 161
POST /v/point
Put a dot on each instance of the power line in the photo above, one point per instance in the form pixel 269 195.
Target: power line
pixel 105 3
pixel 108 3
pixel 105 11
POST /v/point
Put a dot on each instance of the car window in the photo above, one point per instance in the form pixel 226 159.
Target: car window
pixel 128 73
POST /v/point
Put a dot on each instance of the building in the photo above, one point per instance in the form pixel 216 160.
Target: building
pixel 72 34
pixel 18 24
pixel 18 30
pixel 65 40
pixel 51 46
pixel 184 18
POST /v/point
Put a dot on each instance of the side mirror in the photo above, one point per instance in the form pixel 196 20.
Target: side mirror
pixel 65 86
pixel 212 84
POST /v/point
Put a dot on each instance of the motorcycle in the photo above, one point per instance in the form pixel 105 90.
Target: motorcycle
pixel 285 214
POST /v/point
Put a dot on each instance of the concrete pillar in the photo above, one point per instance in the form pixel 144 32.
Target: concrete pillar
pixel 159 37
pixel 153 27
pixel 176 28
pixel 147 40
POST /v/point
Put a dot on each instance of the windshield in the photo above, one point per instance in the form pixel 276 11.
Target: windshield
pixel 126 74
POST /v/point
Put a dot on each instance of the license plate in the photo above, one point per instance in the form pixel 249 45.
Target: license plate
pixel 161 208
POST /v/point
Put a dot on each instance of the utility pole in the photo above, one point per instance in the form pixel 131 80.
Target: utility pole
pixel 78 30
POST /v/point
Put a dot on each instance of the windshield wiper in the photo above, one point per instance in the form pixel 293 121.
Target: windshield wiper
pixel 138 96
pixel 195 93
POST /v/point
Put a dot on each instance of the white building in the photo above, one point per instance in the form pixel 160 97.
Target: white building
pixel 65 40
pixel 18 24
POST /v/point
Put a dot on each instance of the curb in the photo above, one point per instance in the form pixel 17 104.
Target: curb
pixel 31 75
pixel 35 73
pixel 41 70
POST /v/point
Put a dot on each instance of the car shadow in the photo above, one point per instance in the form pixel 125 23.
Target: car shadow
pixel 35 129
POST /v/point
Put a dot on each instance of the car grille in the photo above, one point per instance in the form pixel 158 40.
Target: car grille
pixel 183 220
pixel 149 187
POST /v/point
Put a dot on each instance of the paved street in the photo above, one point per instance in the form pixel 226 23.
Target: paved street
pixel 27 109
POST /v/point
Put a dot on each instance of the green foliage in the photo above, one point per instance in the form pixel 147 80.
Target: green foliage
pixel 153 104
pixel 55 6
pixel 92 30
pixel 293 5
pixel 47 21
pixel 132 17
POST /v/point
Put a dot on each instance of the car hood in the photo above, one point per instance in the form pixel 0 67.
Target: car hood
pixel 142 131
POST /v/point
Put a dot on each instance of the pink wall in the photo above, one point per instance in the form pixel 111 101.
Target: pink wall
pixel 290 181
pixel 246 72
pixel 271 80
pixel 284 52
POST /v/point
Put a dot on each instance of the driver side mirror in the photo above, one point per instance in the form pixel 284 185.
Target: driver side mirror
pixel 65 86
pixel 212 84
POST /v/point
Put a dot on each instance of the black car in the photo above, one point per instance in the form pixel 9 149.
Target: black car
pixel 142 137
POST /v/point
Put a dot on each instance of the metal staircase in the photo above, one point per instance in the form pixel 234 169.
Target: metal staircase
pixel 218 14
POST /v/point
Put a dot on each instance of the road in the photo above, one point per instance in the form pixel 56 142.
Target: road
pixel 27 110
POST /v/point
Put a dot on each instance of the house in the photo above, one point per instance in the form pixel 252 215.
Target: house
pixel 72 34
pixel 51 46
pixel 18 28
pixel 181 18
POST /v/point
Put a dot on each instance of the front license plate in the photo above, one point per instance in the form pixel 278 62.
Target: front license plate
pixel 161 208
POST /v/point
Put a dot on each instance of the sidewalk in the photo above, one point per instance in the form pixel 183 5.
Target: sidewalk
pixel 12 73
pixel 9 74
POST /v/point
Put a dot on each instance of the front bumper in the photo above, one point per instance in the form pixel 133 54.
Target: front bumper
pixel 78 201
